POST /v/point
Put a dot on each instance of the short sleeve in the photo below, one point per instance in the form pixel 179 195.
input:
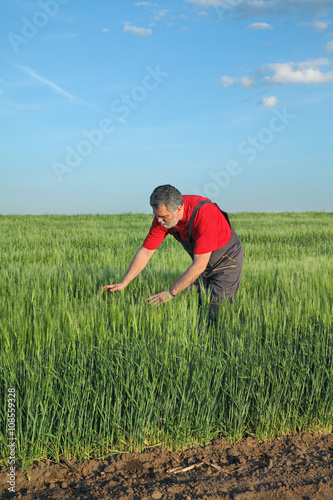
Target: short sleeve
pixel 156 235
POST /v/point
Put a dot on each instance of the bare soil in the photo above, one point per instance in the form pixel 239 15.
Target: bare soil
pixel 289 468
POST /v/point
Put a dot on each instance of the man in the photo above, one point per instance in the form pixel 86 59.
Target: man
pixel 205 233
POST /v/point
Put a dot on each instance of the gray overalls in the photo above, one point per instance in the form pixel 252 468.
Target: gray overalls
pixel 222 275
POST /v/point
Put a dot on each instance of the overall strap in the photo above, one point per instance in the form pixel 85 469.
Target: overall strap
pixel 196 208
pixel 176 234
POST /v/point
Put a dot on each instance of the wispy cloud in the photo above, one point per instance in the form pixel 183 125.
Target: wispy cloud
pixel 160 14
pixel 136 30
pixel 156 14
pixel 48 83
pixel 58 36
pixel 250 8
pixel 260 26
pixel 329 46
pixel 317 26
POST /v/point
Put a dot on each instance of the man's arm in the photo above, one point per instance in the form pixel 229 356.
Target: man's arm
pixel 141 259
pixel 198 266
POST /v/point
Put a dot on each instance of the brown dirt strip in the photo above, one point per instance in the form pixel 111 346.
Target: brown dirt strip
pixel 289 468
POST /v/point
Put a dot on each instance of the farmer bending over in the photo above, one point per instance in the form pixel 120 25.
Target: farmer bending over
pixel 205 233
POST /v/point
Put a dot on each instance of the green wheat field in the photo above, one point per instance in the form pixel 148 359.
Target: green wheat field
pixel 98 373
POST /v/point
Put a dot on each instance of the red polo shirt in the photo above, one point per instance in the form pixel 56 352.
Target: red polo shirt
pixel 210 229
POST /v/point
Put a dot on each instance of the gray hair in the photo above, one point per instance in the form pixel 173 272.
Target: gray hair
pixel 166 195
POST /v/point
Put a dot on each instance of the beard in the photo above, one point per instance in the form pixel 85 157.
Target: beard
pixel 170 224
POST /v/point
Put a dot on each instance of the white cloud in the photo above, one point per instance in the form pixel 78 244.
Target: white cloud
pixel 209 3
pixel 275 8
pixel 303 72
pixel 105 30
pixel 143 4
pixel 285 3
pixel 260 26
pixel 329 46
pixel 322 61
pixel 314 2
pixel 263 3
pixel 320 26
pixel 250 8
pixel 269 102
pixel 245 82
pixel 226 81
pixel 136 30
pixel 50 84
pixel 283 73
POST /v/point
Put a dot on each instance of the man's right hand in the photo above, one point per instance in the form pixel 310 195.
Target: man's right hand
pixel 114 288
pixel 139 262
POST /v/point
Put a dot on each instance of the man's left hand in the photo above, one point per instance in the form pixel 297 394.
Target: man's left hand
pixel 160 298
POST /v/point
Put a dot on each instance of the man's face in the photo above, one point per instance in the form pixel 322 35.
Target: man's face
pixel 166 218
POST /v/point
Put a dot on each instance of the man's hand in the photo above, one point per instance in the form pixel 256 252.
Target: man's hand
pixel 160 298
pixel 139 262
pixel 114 288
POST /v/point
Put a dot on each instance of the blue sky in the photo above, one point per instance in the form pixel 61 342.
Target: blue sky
pixel 103 101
